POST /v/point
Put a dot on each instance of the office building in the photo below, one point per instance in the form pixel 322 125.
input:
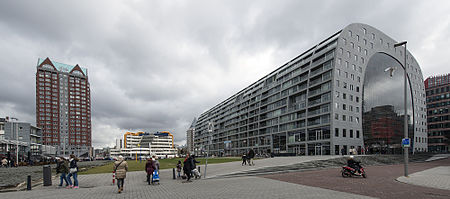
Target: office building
pixel 315 104
pixel 63 107
pixel 438 105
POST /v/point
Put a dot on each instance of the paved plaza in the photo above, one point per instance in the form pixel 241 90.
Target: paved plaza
pixel 100 185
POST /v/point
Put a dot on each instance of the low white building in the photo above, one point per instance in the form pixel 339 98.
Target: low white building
pixel 142 145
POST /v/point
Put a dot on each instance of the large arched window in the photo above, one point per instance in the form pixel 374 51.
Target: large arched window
pixel 383 105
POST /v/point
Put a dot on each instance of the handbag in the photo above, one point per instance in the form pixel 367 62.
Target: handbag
pixel 73 170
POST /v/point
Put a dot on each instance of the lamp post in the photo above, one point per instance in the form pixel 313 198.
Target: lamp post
pixel 405 149
pixel 210 131
pixel 17 139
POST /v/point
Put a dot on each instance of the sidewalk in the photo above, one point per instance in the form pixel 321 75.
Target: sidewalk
pixel 437 177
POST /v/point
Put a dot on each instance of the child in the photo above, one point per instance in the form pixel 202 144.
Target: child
pixel 244 159
pixel 179 168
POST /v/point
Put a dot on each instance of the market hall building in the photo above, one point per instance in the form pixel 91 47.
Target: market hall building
pixel 334 97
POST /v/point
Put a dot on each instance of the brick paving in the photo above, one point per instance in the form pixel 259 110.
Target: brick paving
pixel 381 181
pixel 100 186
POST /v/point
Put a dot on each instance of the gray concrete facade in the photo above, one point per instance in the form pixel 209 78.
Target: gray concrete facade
pixel 311 105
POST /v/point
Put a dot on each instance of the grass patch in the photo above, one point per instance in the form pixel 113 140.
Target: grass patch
pixel 164 164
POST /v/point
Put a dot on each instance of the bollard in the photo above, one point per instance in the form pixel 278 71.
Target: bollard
pixel 47 172
pixel 174 173
pixel 29 182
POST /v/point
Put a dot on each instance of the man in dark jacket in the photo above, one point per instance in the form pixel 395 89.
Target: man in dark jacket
pixel 250 156
pixel 187 167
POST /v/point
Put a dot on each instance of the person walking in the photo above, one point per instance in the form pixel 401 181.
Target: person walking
pixel 179 168
pixel 250 156
pixel 187 167
pixel 149 168
pixel 244 159
pixel 120 168
pixel 194 171
pixel 62 167
pixel 4 162
pixel 73 171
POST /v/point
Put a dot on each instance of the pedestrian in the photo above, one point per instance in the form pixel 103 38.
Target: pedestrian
pixel 149 168
pixel 179 168
pixel 155 158
pixel 342 151
pixel 73 171
pixel 250 156
pixel 187 167
pixel 4 162
pixel 194 167
pixel 120 168
pixel 244 159
pixel 62 167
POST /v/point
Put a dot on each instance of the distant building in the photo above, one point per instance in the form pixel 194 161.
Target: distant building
pixel 63 107
pixel 142 145
pixel 22 134
pixel 438 105
pixel 190 137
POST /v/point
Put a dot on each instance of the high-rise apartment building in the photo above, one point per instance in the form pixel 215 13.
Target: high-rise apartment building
pixel 63 107
pixel 438 105
pixel 190 137
pixel 319 102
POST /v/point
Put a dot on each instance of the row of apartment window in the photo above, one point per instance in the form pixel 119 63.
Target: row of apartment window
pixel 437 111
pixel 343 133
pixel 420 140
pixel 436 105
pixel 439 126
pixel 439 118
pixel 438 90
pixel 344 118
pixel 438 97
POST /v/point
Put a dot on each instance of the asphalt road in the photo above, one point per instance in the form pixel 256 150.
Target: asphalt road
pixel 381 181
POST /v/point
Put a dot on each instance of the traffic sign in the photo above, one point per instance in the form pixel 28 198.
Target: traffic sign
pixel 406 142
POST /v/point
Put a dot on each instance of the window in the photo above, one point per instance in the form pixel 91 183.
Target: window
pixel 344 118
pixel 357 89
pixel 351 133
pixel 336 132
pixel 344 106
pixel 344 41
pixel 344 132
pixel 350 33
pixel 336 116
pixel 364 30
pixel 373 36
pixel 357 134
pixel 357 99
pixel 344 96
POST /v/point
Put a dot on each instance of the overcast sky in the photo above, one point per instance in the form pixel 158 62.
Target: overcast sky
pixel 155 65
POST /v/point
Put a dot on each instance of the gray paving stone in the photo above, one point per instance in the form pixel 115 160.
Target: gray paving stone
pixel 438 177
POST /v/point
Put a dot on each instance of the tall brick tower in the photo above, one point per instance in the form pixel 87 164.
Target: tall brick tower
pixel 63 107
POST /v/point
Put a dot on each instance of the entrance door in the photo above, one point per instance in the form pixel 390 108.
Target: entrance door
pixel 318 150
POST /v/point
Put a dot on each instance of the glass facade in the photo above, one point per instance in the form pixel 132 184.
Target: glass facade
pixel 383 105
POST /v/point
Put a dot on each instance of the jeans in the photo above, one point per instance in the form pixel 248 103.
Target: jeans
pixel 120 183
pixel 75 180
pixel 61 177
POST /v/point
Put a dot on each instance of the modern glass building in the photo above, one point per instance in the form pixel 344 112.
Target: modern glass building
pixel 334 97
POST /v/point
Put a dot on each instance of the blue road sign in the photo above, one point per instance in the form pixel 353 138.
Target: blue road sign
pixel 406 142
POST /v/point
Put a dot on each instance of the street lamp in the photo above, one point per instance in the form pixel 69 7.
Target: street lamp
pixel 210 131
pixel 17 139
pixel 405 104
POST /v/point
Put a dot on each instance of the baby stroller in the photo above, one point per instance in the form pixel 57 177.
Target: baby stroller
pixel 196 173
pixel 155 177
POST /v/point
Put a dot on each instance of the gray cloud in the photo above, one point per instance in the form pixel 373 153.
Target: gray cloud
pixel 155 65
